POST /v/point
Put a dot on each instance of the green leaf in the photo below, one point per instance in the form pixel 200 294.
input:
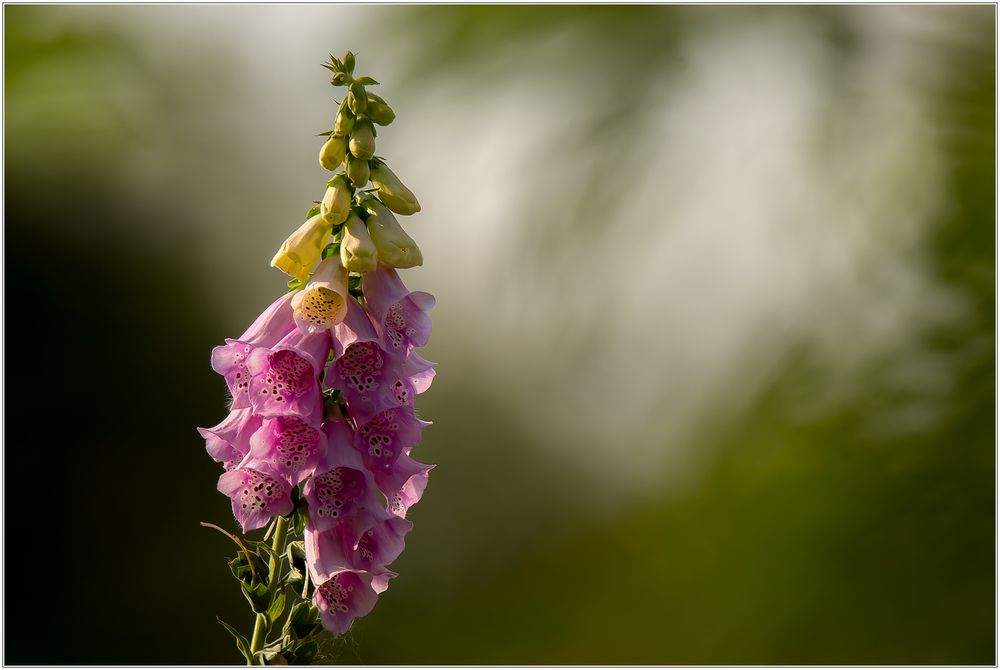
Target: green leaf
pixel 241 642
pixel 277 607
pixel 367 81
pixel 306 652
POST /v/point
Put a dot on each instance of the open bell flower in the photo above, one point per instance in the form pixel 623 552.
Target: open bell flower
pixel 284 380
pixel 322 302
pixel 402 314
pixel 385 443
pixel 230 359
pixel 338 549
pixel 298 254
pixel 289 445
pixel 257 496
pixel 347 596
pixel 392 192
pixel 342 493
pixel 364 373
pixel 395 247
pixel 229 441
pixel 357 251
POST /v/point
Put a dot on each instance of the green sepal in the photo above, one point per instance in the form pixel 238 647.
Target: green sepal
pixel 294 578
pixel 272 655
pixel 354 286
pixel 330 250
pixel 246 573
pixel 266 553
pixel 303 620
pixel 300 517
pixel 313 211
pixel 277 607
pixel 337 64
pixel 295 284
pixel 241 642
pixel 258 596
pixel 367 81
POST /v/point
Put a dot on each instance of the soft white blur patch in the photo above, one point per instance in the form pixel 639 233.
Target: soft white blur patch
pixel 773 205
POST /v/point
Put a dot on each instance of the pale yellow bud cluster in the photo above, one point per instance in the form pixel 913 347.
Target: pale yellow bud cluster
pixel 361 224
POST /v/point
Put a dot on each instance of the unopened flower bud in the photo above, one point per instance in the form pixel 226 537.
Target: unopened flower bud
pixel 363 139
pixel 337 201
pixel 349 62
pixel 380 113
pixel 358 98
pixel 339 79
pixel 379 110
pixel 333 151
pixel 345 119
pixel 322 304
pixel 357 171
pixel 357 251
pixel 392 191
pixel 394 246
pixel 302 249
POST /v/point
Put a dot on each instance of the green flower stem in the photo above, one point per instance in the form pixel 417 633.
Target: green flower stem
pixel 273 567
pixel 278 545
pixel 258 637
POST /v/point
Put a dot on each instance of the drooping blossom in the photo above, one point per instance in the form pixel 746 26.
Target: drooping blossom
pixel 338 549
pixel 290 445
pixel 299 253
pixel 346 596
pixel 229 441
pixel 385 443
pixel 322 303
pixel 230 359
pixel 364 372
pixel 401 314
pixel 284 380
pixel 257 496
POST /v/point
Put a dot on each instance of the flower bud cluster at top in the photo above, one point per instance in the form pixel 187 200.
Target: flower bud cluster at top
pixel 323 383
pixel 355 222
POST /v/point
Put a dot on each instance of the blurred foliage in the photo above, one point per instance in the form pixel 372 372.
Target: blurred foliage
pixel 814 537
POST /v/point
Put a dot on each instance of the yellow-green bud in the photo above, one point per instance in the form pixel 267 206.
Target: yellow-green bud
pixel 345 120
pixel 363 139
pixel 333 151
pixel 357 171
pixel 394 246
pixel 336 203
pixel 380 113
pixel 392 191
pixel 358 98
pixel 299 253
pixel 357 251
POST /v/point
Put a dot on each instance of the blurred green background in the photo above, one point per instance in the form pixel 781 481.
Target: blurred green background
pixel 715 324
